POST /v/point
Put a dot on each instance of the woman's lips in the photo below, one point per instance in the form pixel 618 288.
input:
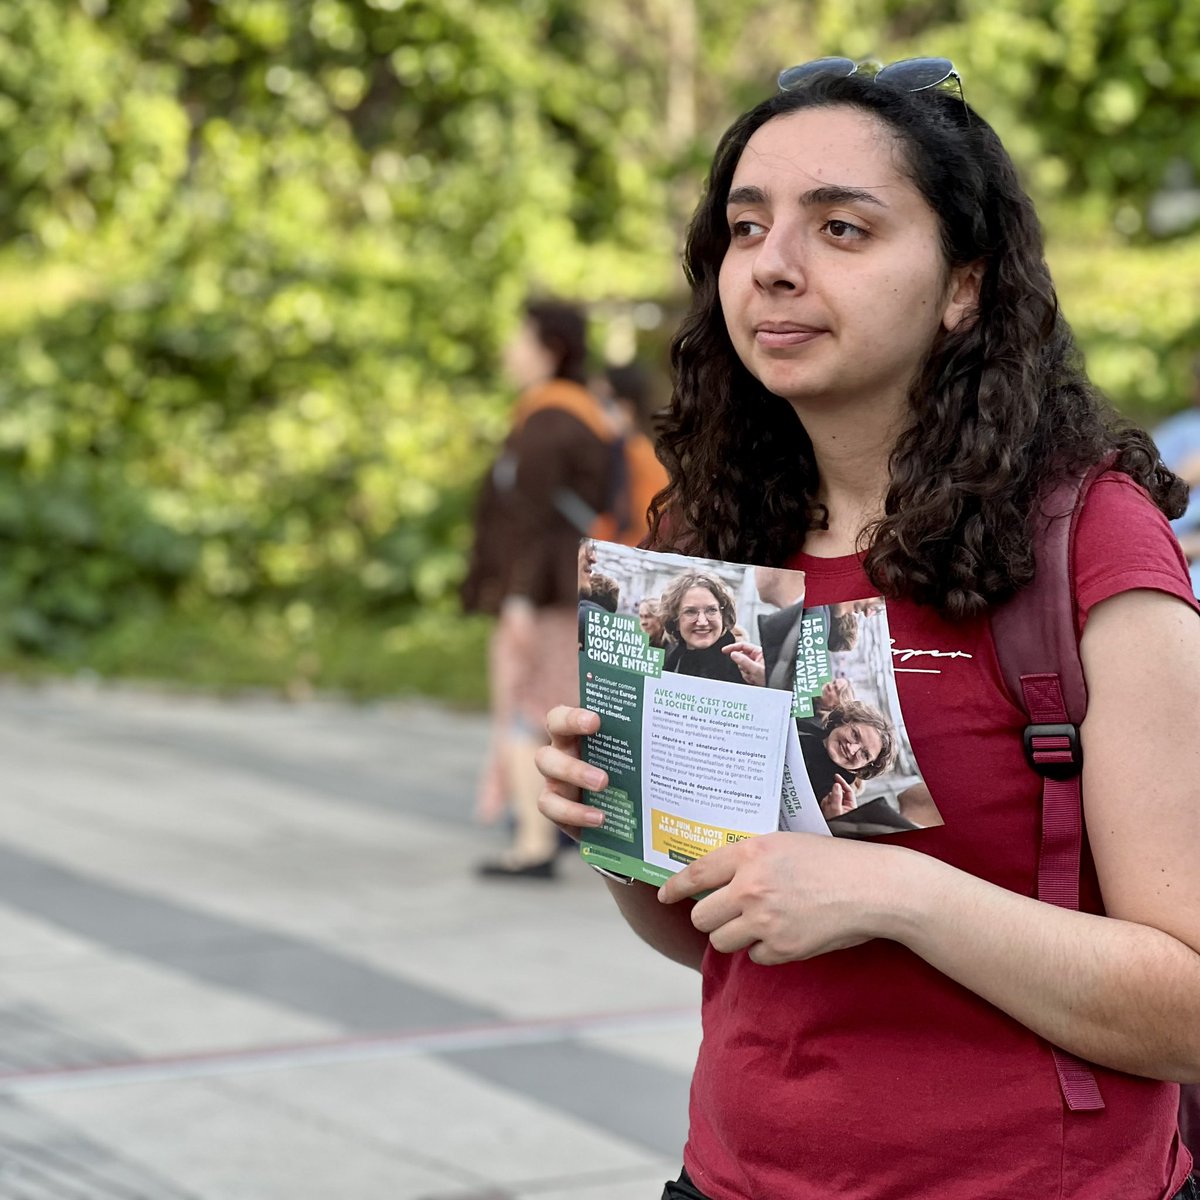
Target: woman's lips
pixel 776 338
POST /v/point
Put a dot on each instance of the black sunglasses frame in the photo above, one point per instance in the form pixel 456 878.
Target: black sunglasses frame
pixel 919 73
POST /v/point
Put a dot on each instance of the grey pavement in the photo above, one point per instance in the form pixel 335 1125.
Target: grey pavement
pixel 243 957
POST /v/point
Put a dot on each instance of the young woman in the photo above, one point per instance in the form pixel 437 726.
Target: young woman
pixel 874 386
pixel 523 566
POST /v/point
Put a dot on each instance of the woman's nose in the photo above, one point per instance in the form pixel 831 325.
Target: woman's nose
pixel 778 266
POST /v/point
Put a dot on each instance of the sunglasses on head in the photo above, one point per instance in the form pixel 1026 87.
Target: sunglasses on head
pixel 909 74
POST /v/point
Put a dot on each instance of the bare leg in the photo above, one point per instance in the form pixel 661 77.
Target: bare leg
pixel 491 798
pixel 536 838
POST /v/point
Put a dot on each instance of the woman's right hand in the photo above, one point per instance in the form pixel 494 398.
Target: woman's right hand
pixel 839 800
pixel 566 773
pixel 748 658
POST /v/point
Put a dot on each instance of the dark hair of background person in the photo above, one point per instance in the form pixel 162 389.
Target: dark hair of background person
pixel 843 631
pixel 632 383
pixel 606 591
pixel 1001 409
pixel 562 329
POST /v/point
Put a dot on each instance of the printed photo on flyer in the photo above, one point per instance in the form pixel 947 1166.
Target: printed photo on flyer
pixel 856 749
pixel 695 711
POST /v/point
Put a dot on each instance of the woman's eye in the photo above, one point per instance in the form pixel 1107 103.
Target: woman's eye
pixel 745 229
pixel 844 231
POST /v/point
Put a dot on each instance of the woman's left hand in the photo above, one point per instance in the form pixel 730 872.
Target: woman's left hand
pixel 789 896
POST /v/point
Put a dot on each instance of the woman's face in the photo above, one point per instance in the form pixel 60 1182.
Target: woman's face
pixel 853 746
pixel 834 284
pixel 699 618
pixel 526 359
pixel 649 619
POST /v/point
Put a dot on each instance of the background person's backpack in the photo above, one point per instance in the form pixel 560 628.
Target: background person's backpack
pixel 635 478
pixel 1038 649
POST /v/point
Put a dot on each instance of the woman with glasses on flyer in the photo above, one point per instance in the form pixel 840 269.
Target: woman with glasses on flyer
pixel 874 385
pixel 698 612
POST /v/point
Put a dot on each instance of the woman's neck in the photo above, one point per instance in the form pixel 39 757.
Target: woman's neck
pixel 852 450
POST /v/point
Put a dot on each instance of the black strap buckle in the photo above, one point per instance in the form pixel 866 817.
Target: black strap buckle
pixel 1050 760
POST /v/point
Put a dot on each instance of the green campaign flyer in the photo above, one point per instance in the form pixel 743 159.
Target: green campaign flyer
pixel 730 709
pixel 692 735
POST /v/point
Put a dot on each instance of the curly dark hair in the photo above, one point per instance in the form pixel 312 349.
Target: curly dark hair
pixel 843 631
pixel 606 591
pixel 1001 410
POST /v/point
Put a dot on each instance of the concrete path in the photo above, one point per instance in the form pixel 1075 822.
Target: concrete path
pixel 243 957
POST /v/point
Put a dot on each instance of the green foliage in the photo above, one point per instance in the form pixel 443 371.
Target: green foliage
pixel 313 225
pixel 262 255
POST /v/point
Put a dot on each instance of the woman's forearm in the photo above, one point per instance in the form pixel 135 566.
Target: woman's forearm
pixel 669 930
pixel 1120 994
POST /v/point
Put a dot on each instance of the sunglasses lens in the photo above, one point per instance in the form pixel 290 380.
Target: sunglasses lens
pixel 794 76
pixel 916 74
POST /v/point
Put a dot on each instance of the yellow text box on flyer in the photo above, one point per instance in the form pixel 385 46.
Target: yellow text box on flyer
pixel 682 840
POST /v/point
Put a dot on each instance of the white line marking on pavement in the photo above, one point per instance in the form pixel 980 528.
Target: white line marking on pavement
pixel 498 1035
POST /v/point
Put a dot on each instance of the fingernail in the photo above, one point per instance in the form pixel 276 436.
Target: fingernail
pixel 662 893
pixel 595 780
pixel 595 817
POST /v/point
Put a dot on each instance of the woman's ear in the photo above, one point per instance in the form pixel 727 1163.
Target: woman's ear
pixel 962 306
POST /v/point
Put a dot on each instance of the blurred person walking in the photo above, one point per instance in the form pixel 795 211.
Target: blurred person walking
pixel 553 476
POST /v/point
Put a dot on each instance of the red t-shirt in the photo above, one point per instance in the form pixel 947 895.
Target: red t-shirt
pixel 866 1073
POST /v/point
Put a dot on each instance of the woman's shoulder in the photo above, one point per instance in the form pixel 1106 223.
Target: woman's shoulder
pixel 1123 541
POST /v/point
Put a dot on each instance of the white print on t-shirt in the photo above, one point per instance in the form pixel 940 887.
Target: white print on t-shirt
pixel 905 655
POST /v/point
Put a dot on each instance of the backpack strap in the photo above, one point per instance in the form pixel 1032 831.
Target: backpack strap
pixel 1037 645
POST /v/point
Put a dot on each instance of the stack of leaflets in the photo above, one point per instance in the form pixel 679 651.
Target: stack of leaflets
pixel 728 709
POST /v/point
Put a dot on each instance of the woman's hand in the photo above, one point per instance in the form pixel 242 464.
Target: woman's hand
pixel 566 773
pixel 788 896
pixel 749 661
pixel 839 800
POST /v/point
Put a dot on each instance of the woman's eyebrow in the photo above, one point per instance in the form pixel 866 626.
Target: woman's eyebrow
pixel 747 195
pixel 830 194
pixel 837 194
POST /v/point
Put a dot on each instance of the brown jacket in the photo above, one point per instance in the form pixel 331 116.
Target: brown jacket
pixel 552 476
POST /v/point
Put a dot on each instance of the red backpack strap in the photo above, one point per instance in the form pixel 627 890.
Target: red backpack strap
pixel 1037 645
